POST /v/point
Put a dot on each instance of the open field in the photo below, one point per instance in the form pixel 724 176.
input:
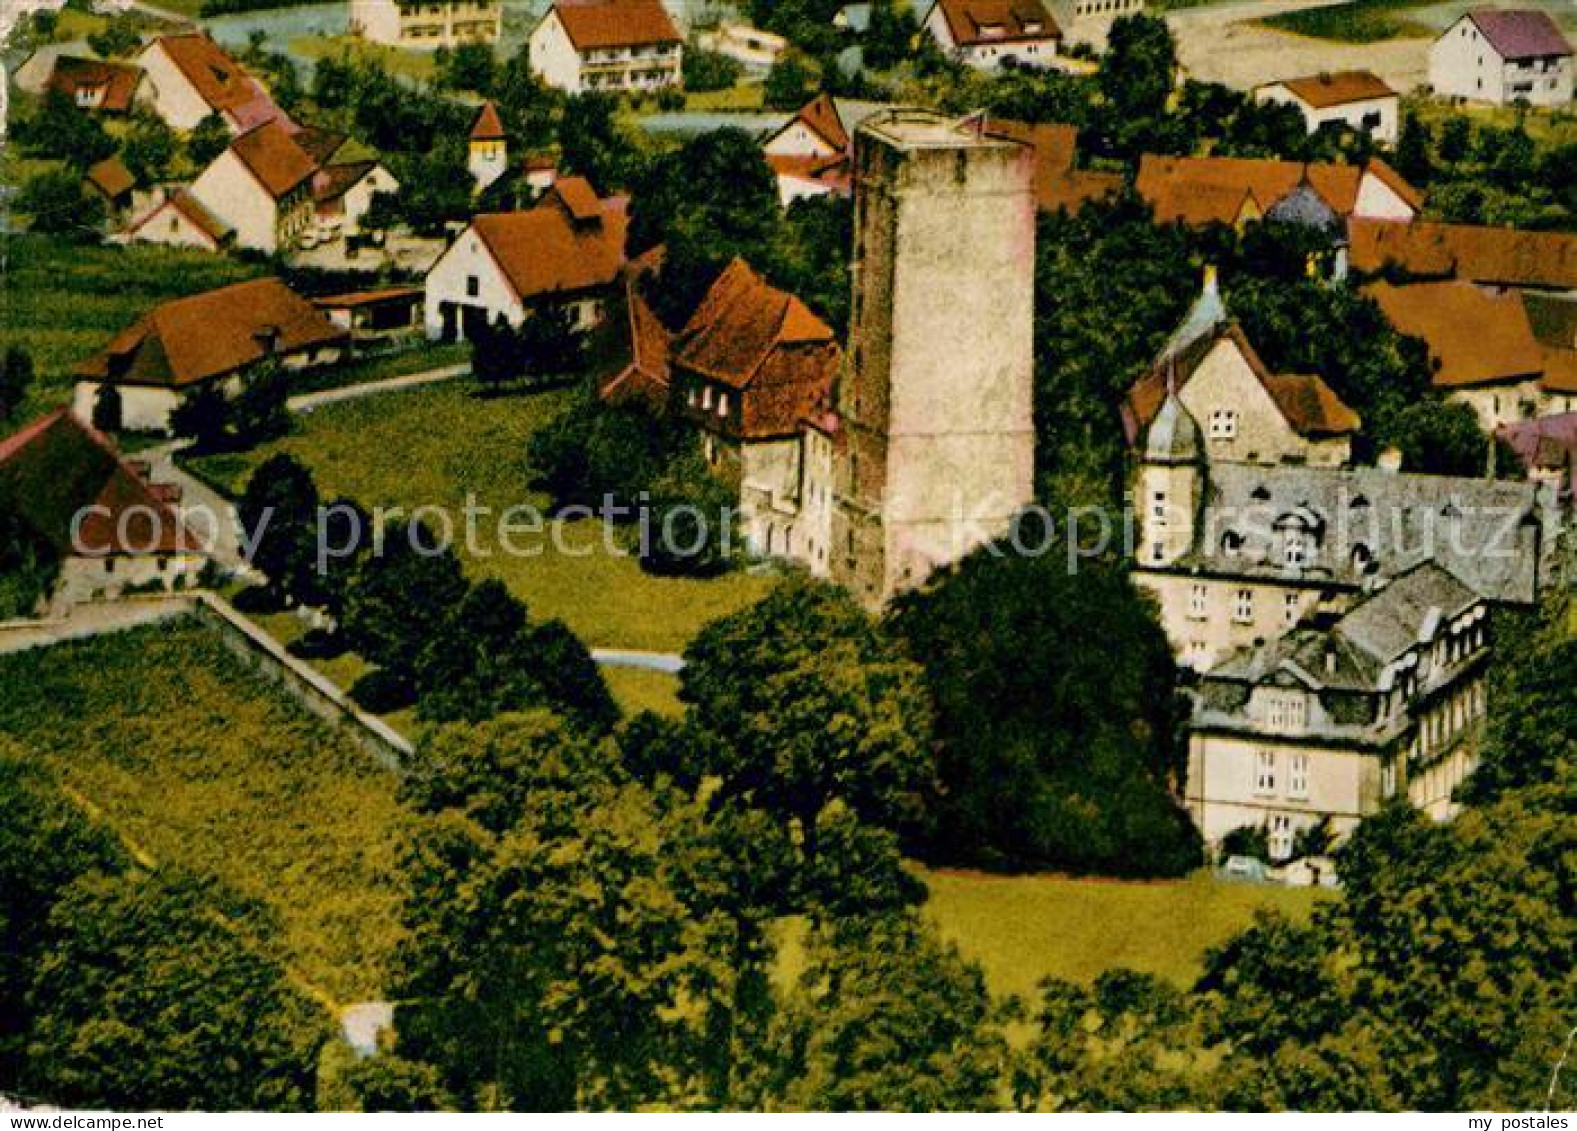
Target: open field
pixel 434 447
pixel 62 302
pixel 640 689
pixel 407 64
pixel 1373 21
pixel 202 763
pixel 418 359
pixel 1553 128
pixel 1025 928
pixel 741 96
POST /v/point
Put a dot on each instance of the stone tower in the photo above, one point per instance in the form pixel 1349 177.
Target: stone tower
pixel 935 401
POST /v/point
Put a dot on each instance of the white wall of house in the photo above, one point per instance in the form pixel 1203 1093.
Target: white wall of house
pixel 168 91
pixel 1238 419
pixel 1377 117
pixel 1379 201
pixel 468 275
pixel 487 161
pixel 358 198
pixel 553 57
pixel 377 20
pixel 169 226
pixel 1501 404
pixel 1462 64
pixel 792 188
pixel 228 190
pixel 85 579
pixel 427 25
pixel 143 408
pixel 798 140
pixel 990 56
pixel 1208 618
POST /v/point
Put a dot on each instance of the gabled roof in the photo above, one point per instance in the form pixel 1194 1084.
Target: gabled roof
pixel 1474 338
pixel 1499 256
pixel 631 348
pixel 1058 185
pixel 274 158
pixel 119 80
pixel 1217 187
pixel 210 335
pixel 1546 443
pixel 1520 34
pixel 488 126
pixel 351 299
pixel 1337 88
pixel 55 468
pixel 765 343
pixel 219 80
pixel 577 198
pixel 192 209
pixel 543 251
pixel 111 177
pixel 593 24
pixel 973 22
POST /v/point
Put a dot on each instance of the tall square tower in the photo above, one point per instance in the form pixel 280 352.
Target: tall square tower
pixel 936 398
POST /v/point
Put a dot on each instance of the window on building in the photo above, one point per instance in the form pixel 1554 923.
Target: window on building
pixel 1286 710
pixel 1157 552
pixel 1198 601
pixel 1265 772
pixel 722 404
pixel 1295 549
pixel 473 286
pixel 1280 836
pixel 1158 506
pixel 1243 606
pixel 1298 777
pixel 1388 779
pixel 1223 424
pixel 1289 608
pixel 706 398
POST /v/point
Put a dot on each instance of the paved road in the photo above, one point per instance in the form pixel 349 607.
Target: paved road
pixel 668 662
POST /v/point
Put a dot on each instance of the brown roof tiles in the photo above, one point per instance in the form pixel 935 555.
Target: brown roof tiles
pixel 973 22
pixel 594 24
pixel 1474 338
pixel 546 251
pixel 1338 88
pixel 274 158
pixel 1497 256
pixel 119 81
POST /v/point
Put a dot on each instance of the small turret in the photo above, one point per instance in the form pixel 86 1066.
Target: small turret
pixel 1174 435
pixel 488 153
pixel 1170 483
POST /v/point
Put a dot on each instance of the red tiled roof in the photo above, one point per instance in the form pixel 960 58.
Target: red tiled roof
pixel 764 343
pixel 1309 405
pixel 488 126
pixel 1338 88
pixel 1523 34
pixel 274 158
pixel 1172 184
pixel 973 22
pixel 367 298
pixel 221 81
pixel 594 24
pixel 111 177
pixel 1500 256
pixel 641 371
pixel 1058 185
pixel 543 251
pixel 55 468
pixel 211 335
pixel 119 80
pixel 190 207
pixel 578 198
pixel 820 116
pixel 1474 338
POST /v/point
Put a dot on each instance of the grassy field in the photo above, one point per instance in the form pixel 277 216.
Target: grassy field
pixel 62 302
pixel 640 689
pixel 434 447
pixel 427 355
pixel 1025 928
pixel 1553 128
pixel 743 96
pixel 201 762
pixel 410 64
pixel 1361 21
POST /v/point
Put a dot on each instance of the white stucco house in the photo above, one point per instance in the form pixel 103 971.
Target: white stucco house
pixel 993 34
pixel 426 25
pixel 1359 100
pixel 1501 57
pixel 188 77
pixel 176 219
pixel 608 45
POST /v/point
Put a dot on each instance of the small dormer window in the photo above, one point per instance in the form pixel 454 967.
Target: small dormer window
pixel 1295 549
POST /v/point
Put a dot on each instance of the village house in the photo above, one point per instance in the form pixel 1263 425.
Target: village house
pixel 112 183
pixel 177 219
pixel 261 188
pixel 630 352
pixel 566 251
pixel 811 154
pixel 753 49
pixel 1250 415
pixel 487 147
pixel 1481 345
pixel 753 370
pixel 1237 190
pixel 1494 258
pixel 1547 450
pixel 374 315
pixel 1358 100
pixel 109 528
pixel 935 417
pixel 94 84
pixel 995 34
pixel 347 175
pixel 607 45
pixel 217 337
pixel 1553 319
pixel 1324 726
pixel 426 25
pixel 1502 57
pixel 189 76
pixel 1059 185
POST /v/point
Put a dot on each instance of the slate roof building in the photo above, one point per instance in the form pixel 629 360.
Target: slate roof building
pixel 1326 724
pixel 106 525
pixel 217 336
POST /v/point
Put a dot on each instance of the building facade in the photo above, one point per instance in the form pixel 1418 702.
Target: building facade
pixel 1358 100
pixel 427 25
pixel 1503 57
pixel 995 34
pixel 935 404
pixel 607 45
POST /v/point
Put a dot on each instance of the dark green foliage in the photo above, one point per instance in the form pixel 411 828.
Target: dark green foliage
pixel 150 148
pixel 707 70
pixel 57 204
pixel 259 411
pixel 435 185
pixel 203 416
pixel 1135 81
pixel 593 144
pixel 546 348
pixel 467 66
pixel 812 255
pixel 889 40
pixel 593 451
pixel 1439 437
pixel 46 843
pixel 392 1083
pixel 790 82
pixel 62 130
pixel 383 691
pixel 107 409
pixel 885 1017
pixel 28 567
pixel 208 139
pixel 690 527
pixel 1050 756
pixel 803 705
pixel 16 378
pixel 149 998
pixel 278 513
pixel 400 596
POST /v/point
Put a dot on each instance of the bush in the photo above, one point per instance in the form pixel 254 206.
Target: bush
pixel 319 644
pixel 384 691
pixel 258 600
pixel 707 70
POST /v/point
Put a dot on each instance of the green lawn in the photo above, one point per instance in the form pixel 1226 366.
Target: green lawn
pixel 1551 128
pixel 411 64
pixel 1025 928
pixel 640 689
pixel 64 301
pixel 427 355
pixel 743 96
pixel 201 762
pixel 434 446
pixel 1361 21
